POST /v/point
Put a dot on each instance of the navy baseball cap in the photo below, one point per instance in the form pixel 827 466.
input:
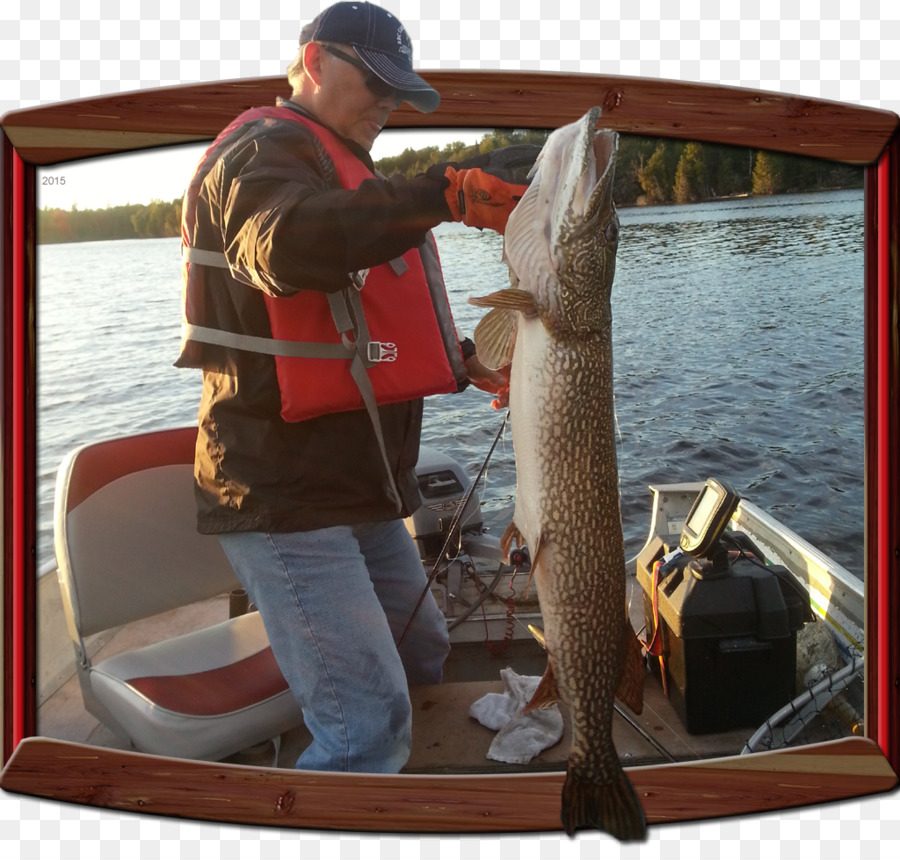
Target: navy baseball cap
pixel 382 44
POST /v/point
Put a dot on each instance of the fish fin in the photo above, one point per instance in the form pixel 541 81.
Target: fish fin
pixel 510 533
pixel 612 806
pixel 631 684
pixel 526 247
pixel 512 299
pixel 495 337
pixel 547 694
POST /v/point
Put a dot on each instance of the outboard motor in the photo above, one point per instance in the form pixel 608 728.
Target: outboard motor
pixel 443 485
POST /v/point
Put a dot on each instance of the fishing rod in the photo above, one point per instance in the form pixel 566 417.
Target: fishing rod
pixel 450 531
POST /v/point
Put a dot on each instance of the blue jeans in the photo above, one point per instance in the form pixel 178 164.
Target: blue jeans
pixel 334 602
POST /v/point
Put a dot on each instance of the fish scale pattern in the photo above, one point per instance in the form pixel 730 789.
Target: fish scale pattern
pixel 561 408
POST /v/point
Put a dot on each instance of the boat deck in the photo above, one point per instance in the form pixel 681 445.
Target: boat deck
pixel 445 738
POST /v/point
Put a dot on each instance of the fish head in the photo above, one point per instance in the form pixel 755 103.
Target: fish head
pixel 562 237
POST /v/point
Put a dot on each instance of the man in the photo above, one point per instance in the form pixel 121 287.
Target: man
pixel 315 307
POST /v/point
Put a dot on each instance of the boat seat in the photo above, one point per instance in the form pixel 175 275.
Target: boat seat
pixel 127 549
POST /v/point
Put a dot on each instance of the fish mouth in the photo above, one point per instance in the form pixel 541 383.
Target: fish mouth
pixel 584 189
pixel 570 191
pixel 598 153
pixel 605 144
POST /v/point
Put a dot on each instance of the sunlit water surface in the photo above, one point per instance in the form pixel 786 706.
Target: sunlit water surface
pixel 738 344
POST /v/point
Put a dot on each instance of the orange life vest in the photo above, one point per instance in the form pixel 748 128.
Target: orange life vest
pixel 393 320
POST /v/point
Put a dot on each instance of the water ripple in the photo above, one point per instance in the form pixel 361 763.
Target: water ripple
pixel 738 340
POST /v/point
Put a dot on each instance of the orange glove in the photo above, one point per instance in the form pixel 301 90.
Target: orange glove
pixel 484 190
pixel 479 199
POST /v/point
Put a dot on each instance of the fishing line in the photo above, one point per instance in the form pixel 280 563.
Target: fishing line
pixel 498 649
pixel 452 528
pixel 483 595
pixel 643 733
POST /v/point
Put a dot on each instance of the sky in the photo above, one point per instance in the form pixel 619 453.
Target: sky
pixel 163 174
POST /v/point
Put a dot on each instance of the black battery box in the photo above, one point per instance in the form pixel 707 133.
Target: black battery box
pixel 727 637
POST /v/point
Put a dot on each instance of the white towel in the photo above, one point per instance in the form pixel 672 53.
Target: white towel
pixel 520 737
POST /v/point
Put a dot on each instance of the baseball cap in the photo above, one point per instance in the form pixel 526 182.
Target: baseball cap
pixel 381 42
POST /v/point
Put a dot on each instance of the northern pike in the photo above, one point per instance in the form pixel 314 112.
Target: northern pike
pixel 553 326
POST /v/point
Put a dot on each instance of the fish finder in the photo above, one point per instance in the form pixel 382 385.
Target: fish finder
pixel 710 513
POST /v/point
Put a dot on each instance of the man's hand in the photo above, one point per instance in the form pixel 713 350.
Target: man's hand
pixel 479 199
pixel 484 190
pixel 492 381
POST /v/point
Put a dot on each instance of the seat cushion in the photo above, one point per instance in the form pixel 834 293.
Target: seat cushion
pixel 203 695
pixel 215 692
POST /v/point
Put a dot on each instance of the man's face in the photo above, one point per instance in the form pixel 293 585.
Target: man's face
pixel 346 103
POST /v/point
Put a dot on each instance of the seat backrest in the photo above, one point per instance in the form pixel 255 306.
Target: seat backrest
pixel 125 532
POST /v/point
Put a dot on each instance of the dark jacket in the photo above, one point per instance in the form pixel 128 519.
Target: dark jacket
pixel 272 203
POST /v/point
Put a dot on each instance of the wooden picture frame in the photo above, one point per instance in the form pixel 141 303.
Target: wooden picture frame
pixel 135 782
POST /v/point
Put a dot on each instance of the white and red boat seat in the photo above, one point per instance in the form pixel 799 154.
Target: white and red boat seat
pixel 127 549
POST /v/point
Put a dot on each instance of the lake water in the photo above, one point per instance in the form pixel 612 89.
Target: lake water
pixel 738 345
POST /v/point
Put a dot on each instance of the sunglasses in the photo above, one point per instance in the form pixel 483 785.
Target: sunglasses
pixel 376 86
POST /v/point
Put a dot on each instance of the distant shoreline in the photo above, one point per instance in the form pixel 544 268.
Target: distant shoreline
pixel 138 208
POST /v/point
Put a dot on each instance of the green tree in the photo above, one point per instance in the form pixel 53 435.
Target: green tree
pixel 634 151
pixel 728 170
pixel 173 218
pixel 767 174
pixel 690 177
pixel 657 175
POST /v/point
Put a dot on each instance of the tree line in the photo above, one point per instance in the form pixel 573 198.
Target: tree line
pixel 650 171
pixel 155 220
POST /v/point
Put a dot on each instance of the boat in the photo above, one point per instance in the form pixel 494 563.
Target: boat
pixel 492 615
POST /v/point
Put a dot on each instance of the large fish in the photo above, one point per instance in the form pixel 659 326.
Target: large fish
pixel 553 327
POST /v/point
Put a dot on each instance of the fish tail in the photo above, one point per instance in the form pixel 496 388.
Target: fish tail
pixel 612 806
